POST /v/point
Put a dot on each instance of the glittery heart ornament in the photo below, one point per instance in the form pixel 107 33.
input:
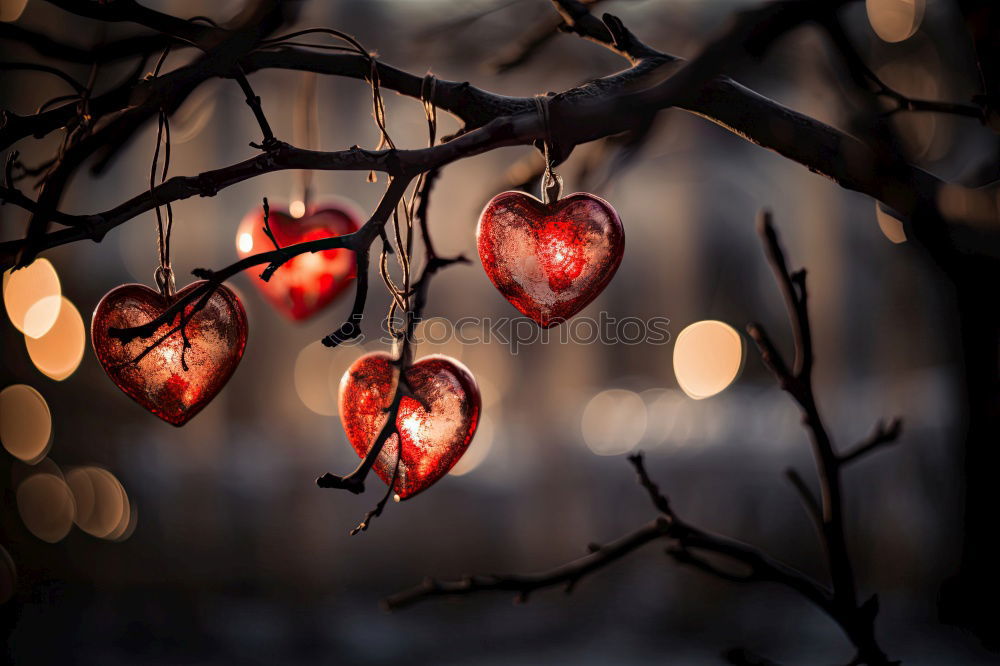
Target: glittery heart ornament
pixel 550 260
pixel 174 373
pixel 434 430
pixel 307 283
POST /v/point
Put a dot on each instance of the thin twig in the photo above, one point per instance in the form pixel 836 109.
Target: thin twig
pixel 689 544
pixel 522 586
pixel 267 228
pixel 253 101
pixel 377 511
pixel 812 507
pixel 879 437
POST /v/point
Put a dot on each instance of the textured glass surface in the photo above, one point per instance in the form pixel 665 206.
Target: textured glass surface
pixel 433 439
pixel 169 380
pixel 305 284
pixel 550 260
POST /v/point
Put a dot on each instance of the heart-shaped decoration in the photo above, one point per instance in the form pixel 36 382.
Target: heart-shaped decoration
pixel 170 380
pixel 436 429
pixel 550 260
pixel 305 284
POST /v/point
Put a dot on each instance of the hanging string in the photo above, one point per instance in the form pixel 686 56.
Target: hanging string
pixel 403 246
pixel 164 274
pixel 428 86
pixel 353 46
pixel 401 295
pixel 305 129
pixel 378 109
pixel 427 89
pixel 552 183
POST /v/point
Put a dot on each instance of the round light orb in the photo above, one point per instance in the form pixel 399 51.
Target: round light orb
pixel 102 506
pixel 478 450
pixel 708 356
pixel 126 527
pixel 46 506
pixel 31 296
pixel 890 225
pixel 613 422
pixel 313 368
pixel 58 353
pixel 126 518
pixel 244 242
pixel 895 20
pixel 25 423
pixel 10 10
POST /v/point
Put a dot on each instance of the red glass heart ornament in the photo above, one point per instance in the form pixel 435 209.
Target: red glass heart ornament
pixel 305 284
pixel 169 380
pixel 550 260
pixel 435 429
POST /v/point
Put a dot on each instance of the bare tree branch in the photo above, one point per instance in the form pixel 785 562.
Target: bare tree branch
pixel 522 586
pixel 881 436
pixel 812 507
pixel 584 115
pixel 689 545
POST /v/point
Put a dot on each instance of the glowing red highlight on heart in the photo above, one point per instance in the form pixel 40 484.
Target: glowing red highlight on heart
pixel 436 428
pixel 550 260
pixel 172 379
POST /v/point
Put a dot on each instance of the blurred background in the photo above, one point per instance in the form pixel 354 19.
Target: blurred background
pixel 126 540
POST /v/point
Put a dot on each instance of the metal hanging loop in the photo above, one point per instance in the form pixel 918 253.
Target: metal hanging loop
pixel 164 277
pixel 552 183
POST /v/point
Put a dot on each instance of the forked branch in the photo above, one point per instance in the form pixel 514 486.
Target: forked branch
pixel 688 544
pixel 600 108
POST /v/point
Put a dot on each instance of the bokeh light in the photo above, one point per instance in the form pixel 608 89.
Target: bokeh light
pixel 708 356
pixel 969 205
pixel 297 208
pixel 613 422
pixel 194 114
pixel 46 506
pixel 126 520
pixel 478 450
pixel 667 412
pixel 313 368
pixel 32 297
pixel 895 20
pixel 489 392
pixel 127 526
pixel 10 10
pixel 41 316
pixel 923 135
pixel 890 226
pixel 8 576
pixel 20 471
pixel 102 505
pixel 58 353
pixel 25 423
pixel 435 337
pixel 244 242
